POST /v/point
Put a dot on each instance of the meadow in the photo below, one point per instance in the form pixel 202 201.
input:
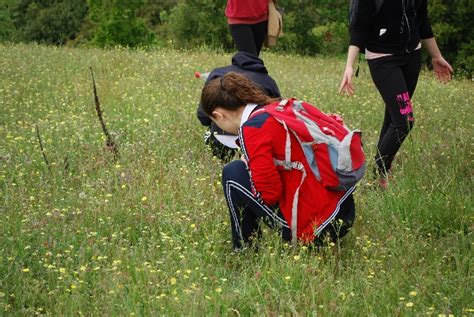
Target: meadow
pixel 148 233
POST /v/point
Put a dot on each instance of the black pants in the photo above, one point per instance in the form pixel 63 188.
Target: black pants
pixel 395 77
pixel 246 211
pixel 340 225
pixel 249 37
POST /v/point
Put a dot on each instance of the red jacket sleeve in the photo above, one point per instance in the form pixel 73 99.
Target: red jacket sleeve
pixel 257 146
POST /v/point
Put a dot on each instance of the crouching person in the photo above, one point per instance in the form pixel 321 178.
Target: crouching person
pixel 222 144
pixel 274 182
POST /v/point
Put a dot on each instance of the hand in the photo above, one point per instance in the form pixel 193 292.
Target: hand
pixel 346 83
pixel 442 69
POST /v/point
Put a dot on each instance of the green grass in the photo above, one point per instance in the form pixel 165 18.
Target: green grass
pixel 149 234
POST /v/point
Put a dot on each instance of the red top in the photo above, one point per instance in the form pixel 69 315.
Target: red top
pixel 246 11
pixel 263 139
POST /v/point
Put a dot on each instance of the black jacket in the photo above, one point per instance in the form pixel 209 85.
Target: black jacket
pixel 396 28
pixel 250 66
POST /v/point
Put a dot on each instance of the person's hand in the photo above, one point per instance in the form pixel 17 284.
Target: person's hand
pixel 442 69
pixel 346 83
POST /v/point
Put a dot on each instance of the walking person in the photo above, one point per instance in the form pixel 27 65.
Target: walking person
pixel 248 23
pixel 261 186
pixel 391 34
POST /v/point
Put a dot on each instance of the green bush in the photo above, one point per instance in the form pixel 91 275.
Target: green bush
pixel 8 31
pixel 310 26
pixel 199 23
pixel 115 22
pixel 454 29
pixel 464 62
pixel 332 38
pixel 49 22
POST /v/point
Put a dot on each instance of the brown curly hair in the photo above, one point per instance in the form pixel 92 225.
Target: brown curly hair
pixel 231 92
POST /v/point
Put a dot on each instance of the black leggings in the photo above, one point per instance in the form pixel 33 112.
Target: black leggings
pixel 395 77
pixel 245 211
pixel 249 37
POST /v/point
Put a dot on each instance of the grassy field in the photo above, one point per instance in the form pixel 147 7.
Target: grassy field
pixel 148 234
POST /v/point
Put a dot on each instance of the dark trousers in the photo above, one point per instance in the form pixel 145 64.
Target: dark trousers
pixel 249 37
pixel 395 78
pixel 340 225
pixel 246 211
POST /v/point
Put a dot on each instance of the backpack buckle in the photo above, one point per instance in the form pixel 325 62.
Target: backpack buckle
pixel 282 105
pixel 287 165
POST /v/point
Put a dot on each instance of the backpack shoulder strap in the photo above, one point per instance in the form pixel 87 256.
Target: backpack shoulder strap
pixel 277 110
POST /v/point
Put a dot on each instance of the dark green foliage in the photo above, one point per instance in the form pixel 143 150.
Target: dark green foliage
pixel 152 9
pixel 465 58
pixel 453 25
pixel 198 23
pixel 115 22
pixel 49 21
pixel 202 22
pixel 8 31
pixel 314 27
pixel 310 26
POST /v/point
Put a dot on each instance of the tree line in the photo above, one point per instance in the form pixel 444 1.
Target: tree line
pixel 310 26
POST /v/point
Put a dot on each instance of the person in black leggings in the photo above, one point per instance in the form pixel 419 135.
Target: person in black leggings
pixel 248 23
pixel 392 34
pixel 395 78
pixel 249 37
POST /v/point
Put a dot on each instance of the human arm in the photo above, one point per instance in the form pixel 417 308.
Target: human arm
pixel 257 147
pixel 442 69
pixel 346 82
pixel 361 16
pixel 360 22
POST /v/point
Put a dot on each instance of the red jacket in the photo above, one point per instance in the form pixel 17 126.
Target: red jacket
pixel 262 139
pixel 246 11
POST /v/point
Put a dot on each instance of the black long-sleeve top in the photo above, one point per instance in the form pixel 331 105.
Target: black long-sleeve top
pixel 395 29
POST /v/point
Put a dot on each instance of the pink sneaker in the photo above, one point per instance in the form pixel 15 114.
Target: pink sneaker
pixel 383 183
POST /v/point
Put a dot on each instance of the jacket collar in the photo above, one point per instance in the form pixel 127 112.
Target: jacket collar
pixel 247 112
